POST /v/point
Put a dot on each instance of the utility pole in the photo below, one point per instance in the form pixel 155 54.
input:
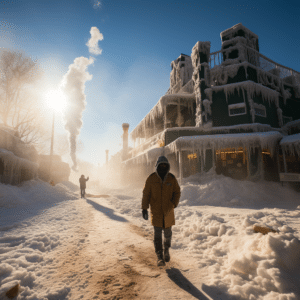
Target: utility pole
pixel 51 147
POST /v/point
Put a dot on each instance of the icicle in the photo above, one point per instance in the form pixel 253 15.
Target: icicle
pixel 279 113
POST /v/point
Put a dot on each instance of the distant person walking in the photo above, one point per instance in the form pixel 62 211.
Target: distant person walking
pixel 162 193
pixel 82 182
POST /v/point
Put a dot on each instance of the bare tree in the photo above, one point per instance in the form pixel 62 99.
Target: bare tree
pixel 19 103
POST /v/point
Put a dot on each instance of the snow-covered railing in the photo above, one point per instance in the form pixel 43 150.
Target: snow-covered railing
pixel 149 143
pixel 259 60
pixel 216 58
pixel 188 87
pixel 175 89
pixel 265 63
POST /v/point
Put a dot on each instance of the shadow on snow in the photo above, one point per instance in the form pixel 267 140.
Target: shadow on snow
pixel 108 211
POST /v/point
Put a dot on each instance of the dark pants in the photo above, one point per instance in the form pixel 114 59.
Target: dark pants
pixel 158 238
pixel 82 192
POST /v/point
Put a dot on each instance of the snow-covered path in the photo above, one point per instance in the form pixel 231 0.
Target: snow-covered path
pixel 57 246
pixel 82 249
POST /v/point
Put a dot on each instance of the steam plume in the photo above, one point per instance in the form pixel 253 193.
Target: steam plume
pixel 74 85
pixel 96 36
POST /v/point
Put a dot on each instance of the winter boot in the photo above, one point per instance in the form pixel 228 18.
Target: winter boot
pixel 159 252
pixel 160 259
pixel 167 245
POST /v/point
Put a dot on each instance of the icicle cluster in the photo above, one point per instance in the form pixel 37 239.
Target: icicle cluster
pixel 207 108
pixel 267 140
pixel 291 144
pixel 251 88
pixel 13 166
pixel 158 111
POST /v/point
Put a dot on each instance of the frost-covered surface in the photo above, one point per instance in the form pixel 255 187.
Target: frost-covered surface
pixel 251 87
pixel 9 158
pixel 158 110
pixel 151 143
pixel 14 164
pixel 291 143
pixel 181 73
pixel 213 233
pixel 291 125
pixel 267 140
pixel 232 30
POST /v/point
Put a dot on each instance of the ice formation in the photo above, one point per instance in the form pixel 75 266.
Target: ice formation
pixel 267 140
pixel 159 109
pixel 181 73
pixel 15 164
pixel 291 144
pixel 249 86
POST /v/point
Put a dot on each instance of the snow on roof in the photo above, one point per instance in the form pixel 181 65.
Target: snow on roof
pixel 291 143
pixel 255 127
pixel 236 28
pixel 201 47
pixel 147 156
pixel 251 88
pixel 293 124
pixel 295 138
pixel 267 140
pixel 158 109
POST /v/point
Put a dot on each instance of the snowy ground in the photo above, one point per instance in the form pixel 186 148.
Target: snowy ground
pixel 58 246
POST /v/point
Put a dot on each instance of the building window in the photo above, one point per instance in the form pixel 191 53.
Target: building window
pixel 286 119
pixel 237 109
pixel 260 110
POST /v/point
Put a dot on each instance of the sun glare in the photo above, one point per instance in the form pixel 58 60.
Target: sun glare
pixel 56 99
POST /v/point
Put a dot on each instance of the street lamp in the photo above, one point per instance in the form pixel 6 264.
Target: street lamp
pixel 57 101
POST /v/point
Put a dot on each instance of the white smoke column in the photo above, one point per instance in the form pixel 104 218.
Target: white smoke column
pixel 73 84
pixel 96 36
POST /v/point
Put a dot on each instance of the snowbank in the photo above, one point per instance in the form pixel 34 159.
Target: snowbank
pixel 35 192
pixel 214 226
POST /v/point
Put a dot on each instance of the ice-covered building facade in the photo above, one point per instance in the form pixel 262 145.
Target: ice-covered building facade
pixel 234 110
pixel 18 161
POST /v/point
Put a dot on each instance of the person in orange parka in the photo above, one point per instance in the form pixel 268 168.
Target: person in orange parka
pixel 162 193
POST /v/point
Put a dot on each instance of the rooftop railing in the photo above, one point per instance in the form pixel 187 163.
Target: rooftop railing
pixel 259 60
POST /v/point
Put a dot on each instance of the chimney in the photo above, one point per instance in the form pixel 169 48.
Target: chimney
pixel 125 127
pixel 106 151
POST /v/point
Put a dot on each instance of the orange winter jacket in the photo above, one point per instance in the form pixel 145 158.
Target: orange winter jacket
pixel 163 197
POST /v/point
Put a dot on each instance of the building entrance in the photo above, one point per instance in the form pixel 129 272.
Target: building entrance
pixel 232 162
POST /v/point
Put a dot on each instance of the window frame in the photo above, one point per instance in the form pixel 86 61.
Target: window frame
pixel 237 105
pixel 260 106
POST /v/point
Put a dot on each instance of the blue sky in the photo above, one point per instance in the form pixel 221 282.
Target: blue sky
pixel 141 38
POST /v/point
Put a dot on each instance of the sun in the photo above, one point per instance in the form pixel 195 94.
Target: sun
pixel 56 100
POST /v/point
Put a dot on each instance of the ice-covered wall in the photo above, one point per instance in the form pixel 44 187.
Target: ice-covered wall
pixel 14 166
pixel 181 72
pixel 201 77
pixel 236 31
